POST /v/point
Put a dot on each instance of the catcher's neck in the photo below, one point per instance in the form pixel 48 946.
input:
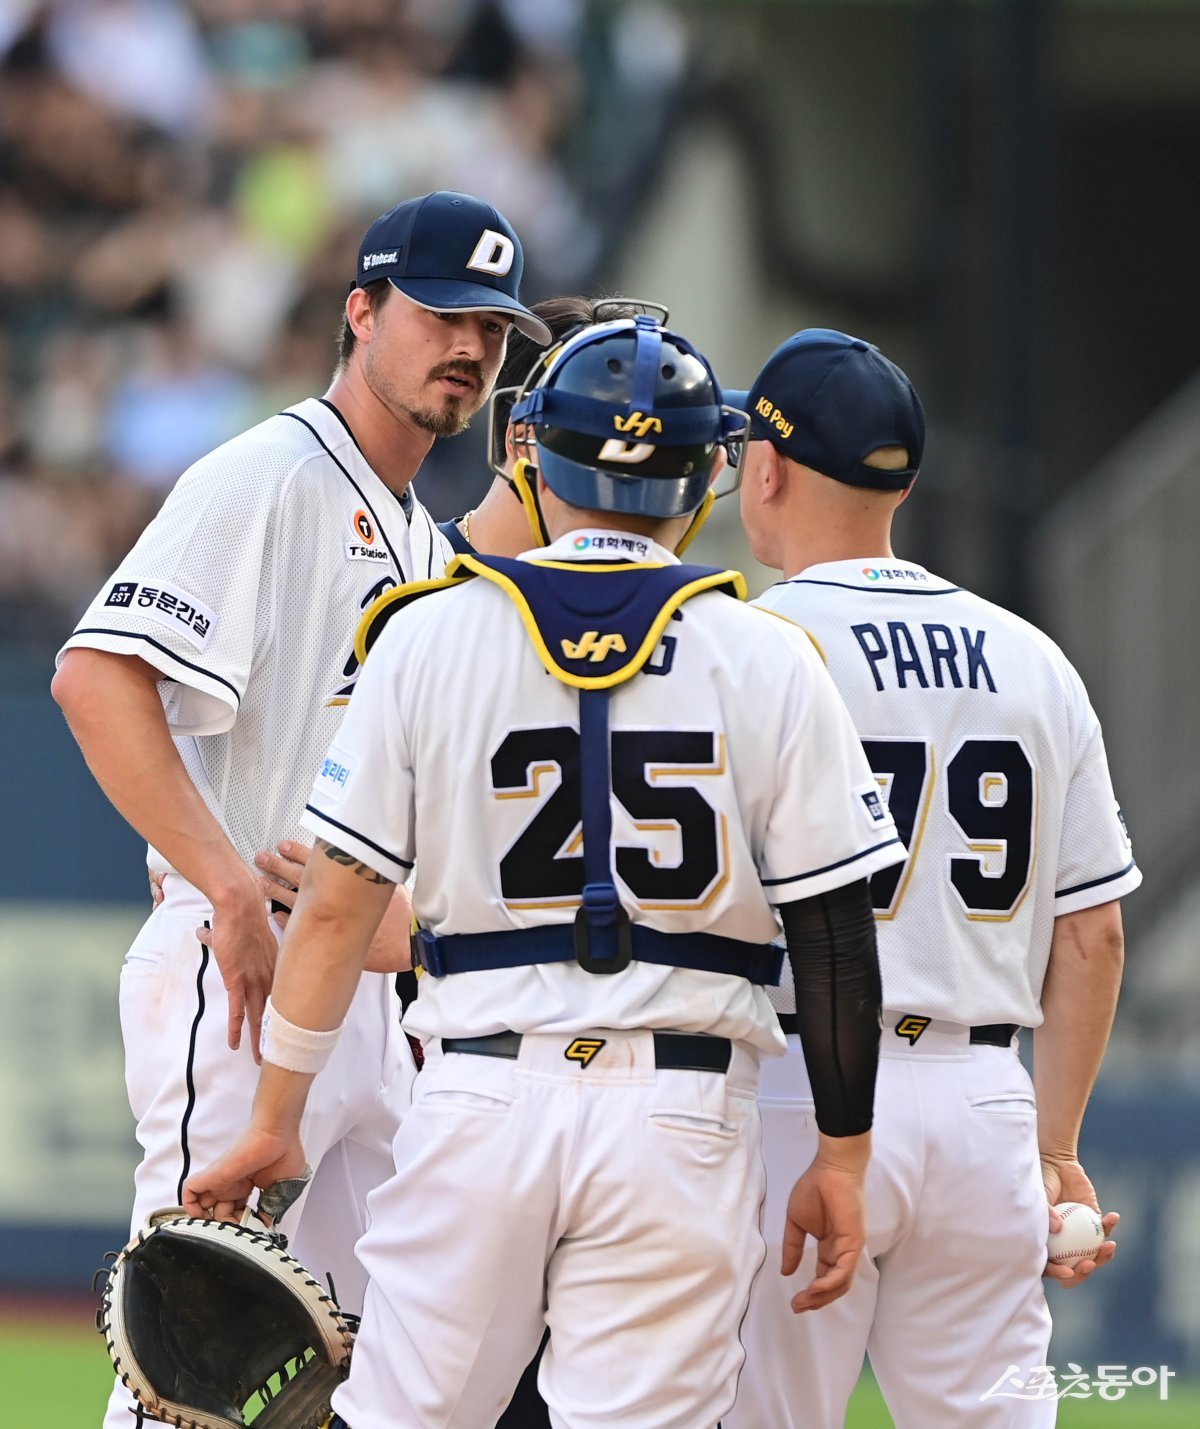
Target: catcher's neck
pixel 498 526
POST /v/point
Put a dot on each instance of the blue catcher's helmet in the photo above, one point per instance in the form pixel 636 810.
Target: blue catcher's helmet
pixel 628 418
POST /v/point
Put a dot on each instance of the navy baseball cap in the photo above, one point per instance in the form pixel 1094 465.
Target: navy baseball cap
pixel 828 400
pixel 450 252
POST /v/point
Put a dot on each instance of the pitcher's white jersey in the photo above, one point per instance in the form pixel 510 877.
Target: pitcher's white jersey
pixel 992 762
pixel 738 783
pixel 243 592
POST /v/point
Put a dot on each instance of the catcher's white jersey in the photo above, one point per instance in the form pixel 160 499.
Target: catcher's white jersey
pixel 242 592
pixel 740 783
pixel 992 762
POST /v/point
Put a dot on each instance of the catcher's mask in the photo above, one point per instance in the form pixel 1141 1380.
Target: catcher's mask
pixel 623 416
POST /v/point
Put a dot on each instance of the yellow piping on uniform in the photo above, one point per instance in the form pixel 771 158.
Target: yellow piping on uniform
pixel 597 567
pixel 779 615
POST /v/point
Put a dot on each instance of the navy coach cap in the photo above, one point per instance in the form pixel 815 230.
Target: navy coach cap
pixel 828 400
pixel 450 252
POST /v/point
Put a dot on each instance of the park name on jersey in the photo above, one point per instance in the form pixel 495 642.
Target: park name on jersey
pixel 924 654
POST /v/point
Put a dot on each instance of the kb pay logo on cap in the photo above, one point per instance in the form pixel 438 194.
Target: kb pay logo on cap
pixel 769 412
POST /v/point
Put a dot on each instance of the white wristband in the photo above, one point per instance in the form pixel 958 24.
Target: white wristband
pixel 295 1049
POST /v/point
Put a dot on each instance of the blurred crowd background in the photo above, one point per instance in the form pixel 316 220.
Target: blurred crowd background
pixel 182 191
pixel 1002 193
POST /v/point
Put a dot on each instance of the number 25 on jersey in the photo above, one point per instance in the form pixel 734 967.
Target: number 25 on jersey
pixel 543 867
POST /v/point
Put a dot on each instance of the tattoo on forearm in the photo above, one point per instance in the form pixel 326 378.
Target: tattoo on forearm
pixel 355 865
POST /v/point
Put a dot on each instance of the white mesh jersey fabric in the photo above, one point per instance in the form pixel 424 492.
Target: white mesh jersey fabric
pixel 741 783
pixel 245 591
pixel 991 757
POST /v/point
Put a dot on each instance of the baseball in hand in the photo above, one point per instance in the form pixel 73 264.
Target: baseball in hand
pixel 1081 1236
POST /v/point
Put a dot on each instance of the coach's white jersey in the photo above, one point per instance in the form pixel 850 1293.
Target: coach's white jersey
pixel 739 782
pixel 991 759
pixel 245 591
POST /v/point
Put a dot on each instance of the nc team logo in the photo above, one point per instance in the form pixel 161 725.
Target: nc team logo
pixel 583 1049
pixel 593 646
pixel 910 1027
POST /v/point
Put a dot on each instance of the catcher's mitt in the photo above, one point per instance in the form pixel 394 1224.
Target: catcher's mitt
pixel 203 1317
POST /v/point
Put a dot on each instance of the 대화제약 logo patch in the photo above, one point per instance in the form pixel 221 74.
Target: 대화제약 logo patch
pixel 624 546
pixel 894 573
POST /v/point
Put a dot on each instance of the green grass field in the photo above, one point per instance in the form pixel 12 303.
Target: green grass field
pixel 58 1378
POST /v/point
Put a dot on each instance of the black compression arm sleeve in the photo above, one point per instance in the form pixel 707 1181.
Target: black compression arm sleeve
pixel 831 944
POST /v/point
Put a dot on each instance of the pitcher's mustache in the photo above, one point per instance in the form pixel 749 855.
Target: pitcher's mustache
pixel 459 367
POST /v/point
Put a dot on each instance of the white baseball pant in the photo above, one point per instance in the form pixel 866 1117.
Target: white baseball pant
pixel 948 1294
pixel 616 1203
pixel 191 1096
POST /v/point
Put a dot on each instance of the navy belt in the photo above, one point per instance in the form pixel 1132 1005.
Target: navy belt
pixel 994 1034
pixel 673 1051
pixel 991 1034
pixel 561 943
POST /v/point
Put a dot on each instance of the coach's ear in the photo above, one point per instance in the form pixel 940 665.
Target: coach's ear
pixel 773 480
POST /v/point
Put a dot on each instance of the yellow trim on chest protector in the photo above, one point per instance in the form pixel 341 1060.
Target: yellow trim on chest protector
pixel 381 610
pixel 524 488
pixel 732 581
